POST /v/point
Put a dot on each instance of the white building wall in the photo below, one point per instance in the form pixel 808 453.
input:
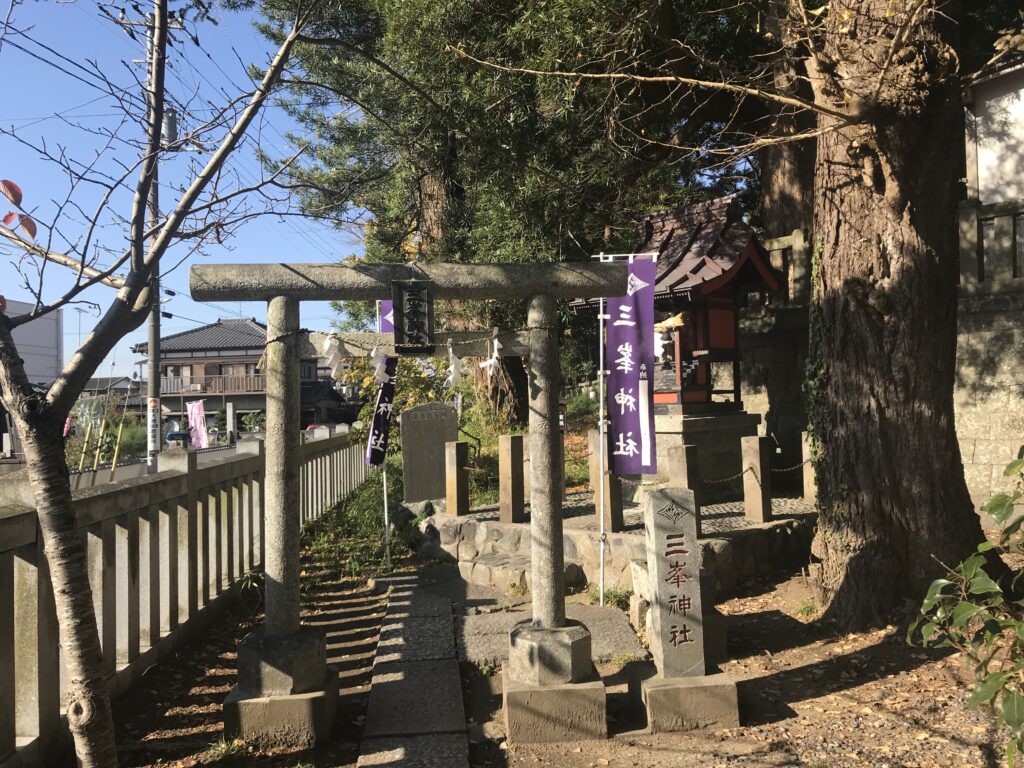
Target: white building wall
pixel 999 111
pixel 40 342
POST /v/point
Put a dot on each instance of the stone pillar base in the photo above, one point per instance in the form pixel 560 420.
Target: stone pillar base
pixel 542 656
pixel 563 712
pixel 689 703
pixel 296 721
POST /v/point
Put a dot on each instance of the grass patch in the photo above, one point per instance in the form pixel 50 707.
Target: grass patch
pixel 612 596
pixel 224 751
pixel 806 609
pixel 348 540
pixel 517 590
pixel 622 659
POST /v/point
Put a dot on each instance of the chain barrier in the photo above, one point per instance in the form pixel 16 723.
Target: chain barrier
pixel 727 479
pixel 790 469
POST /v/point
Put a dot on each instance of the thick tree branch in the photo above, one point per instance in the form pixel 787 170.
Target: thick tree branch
pixel 103 276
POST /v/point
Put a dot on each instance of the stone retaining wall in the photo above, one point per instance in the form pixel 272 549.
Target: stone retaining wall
pixel 497 554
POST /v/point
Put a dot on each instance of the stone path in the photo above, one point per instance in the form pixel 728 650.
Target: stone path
pixel 483 637
pixel 415 716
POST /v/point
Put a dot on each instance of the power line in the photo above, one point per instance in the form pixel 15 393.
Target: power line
pixel 312 238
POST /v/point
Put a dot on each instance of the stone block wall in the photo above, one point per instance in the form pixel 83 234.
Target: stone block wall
pixel 989 393
pixel 497 554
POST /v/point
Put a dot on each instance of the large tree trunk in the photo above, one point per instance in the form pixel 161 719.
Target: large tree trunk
pixel 87 699
pixel 891 493
pixel 787 169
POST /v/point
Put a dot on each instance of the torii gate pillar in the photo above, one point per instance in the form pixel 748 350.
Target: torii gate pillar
pixel 551 689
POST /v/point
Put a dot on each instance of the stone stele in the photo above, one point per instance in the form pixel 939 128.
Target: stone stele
pixel 425 430
pixel 682 696
pixel 673 562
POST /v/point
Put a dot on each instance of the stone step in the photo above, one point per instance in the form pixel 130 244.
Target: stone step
pixel 512 572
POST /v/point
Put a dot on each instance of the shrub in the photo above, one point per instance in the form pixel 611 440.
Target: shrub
pixel 969 611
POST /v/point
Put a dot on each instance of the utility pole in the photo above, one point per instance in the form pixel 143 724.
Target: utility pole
pixel 153 410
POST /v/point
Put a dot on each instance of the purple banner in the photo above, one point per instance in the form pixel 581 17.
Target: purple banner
pixel 377 444
pixel 629 359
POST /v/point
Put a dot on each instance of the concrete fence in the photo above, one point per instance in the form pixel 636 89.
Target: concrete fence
pixel 162 551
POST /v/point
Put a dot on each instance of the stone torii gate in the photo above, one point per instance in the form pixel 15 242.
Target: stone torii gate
pixel 285 694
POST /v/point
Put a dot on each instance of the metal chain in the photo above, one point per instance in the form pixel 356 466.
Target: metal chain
pixel 790 469
pixel 727 479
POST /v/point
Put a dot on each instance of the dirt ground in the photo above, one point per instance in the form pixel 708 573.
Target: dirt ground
pixel 808 696
pixel 173 717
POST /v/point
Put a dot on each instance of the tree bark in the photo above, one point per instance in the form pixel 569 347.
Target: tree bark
pixel 892 499
pixel 88 697
pixel 786 171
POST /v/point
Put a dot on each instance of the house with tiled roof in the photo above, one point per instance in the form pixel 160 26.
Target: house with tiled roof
pixel 219 363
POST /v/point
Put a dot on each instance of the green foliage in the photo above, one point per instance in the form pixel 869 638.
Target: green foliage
pixel 440 158
pixel 348 539
pixel 255 421
pixel 133 439
pixel 806 609
pixel 982 619
pixel 581 411
pixel 612 596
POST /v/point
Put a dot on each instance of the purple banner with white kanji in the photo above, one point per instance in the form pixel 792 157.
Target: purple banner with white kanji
pixel 377 443
pixel 629 358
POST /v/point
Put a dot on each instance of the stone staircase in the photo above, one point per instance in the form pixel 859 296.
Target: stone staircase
pixel 415 716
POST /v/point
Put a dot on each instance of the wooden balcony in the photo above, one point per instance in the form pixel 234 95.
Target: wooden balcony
pixel 219 385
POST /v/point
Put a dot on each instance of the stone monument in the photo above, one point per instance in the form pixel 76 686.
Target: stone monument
pixel 425 430
pixel 683 696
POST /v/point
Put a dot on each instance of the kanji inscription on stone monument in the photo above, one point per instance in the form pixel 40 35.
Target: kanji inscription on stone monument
pixel 673 561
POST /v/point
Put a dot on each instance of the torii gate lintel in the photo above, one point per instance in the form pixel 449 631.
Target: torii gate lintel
pixel 547 650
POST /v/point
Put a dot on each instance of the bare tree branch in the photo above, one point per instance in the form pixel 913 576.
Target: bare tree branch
pixel 745 90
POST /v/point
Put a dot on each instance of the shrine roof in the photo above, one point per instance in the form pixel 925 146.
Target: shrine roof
pixel 705 246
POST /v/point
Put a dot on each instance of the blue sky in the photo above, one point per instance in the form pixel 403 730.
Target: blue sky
pixel 36 94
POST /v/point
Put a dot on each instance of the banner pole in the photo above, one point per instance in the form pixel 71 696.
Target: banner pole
pixel 387 518
pixel 603 427
pixel 602 448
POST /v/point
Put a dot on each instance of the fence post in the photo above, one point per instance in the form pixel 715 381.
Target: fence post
pixel 182 518
pixel 757 492
pixel 810 482
pixel 36 660
pixel 8 740
pixel 612 512
pixel 684 472
pixel 255 447
pixel 456 457
pixel 510 479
